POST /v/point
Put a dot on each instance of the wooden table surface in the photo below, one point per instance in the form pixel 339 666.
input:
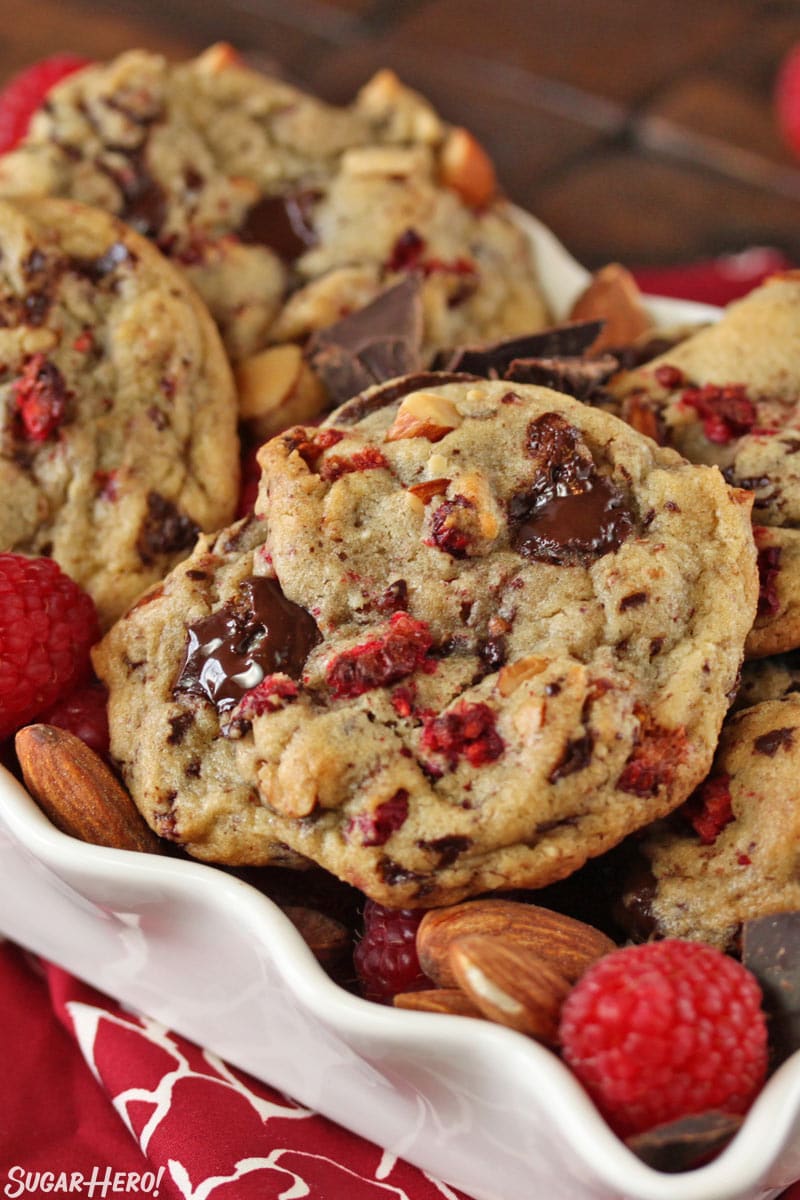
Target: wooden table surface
pixel 642 132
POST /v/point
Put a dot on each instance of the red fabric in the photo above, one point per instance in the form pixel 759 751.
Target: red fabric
pixel 71 1059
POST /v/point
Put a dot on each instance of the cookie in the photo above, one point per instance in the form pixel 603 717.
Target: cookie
pixel 730 855
pixel 118 438
pixel 768 679
pixel 729 396
pixel 285 212
pixel 477 633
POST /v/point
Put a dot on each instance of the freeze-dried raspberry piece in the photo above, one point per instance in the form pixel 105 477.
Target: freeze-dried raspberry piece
pixel 659 1031
pixel 726 412
pixel 708 810
pixel 375 828
pixel 654 758
pixel 769 566
pixel 402 650
pixel 337 465
pixel 23 94
pixel 467 730
pixel 40 395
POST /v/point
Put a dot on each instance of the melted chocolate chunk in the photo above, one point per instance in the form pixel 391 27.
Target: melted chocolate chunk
pixel 381 341
pixel 282 224
pixel 256 634
pixel 165 529
pixel 571 514
pixel 685 1143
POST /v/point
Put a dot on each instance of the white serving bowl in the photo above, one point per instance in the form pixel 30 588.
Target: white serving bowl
pixel 477 1105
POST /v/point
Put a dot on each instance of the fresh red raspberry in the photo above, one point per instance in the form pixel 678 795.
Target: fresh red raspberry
pixel 386 957
pixel 47 624
pixel 84 713
pixel 24 92
pixel 664 1030
pixel 787 99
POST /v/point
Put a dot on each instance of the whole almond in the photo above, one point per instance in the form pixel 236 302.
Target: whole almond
pixel 326 937
pixel 510 985
pixel 569 945
pixel 441 1000
pixel 78 792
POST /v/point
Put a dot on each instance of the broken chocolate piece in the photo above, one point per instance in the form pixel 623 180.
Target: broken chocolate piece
pixel 395 389
pixel 771 950
pixel 378 342
pixel 282 223
pixel 685 1143
pixel 574 376
pixel 493 361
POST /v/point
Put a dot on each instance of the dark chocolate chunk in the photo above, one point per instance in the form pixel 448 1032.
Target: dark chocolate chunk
pixel 282 223
pixel 578 377
pixel 685 1143
pixel 576 756
pixel 144 201
pixel 165 529
pixel 395 389
pixel 492 361
pixel 448 847
pixel 96 269
pixel 771 950
pixel 257 633
pixel 381 341
pixel 571 513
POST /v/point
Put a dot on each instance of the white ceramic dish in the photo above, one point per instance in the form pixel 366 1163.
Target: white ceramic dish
pixel 477 1105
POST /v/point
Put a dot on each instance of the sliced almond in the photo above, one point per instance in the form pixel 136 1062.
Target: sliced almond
pixel 569 945
pixel 613 295
pixel 515 673
pixel 429 488
pixel 78 792
pixel 510 985
pixel 277 388
pixel 424 414
pixel 440 1000
pixel 467 169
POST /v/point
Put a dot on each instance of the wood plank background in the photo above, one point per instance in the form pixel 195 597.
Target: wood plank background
pixel 638 131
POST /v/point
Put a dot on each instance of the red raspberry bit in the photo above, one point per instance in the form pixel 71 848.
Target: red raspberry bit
pixel 386 959
pixel 40 395
pixel 406 252
pixel 403 699
pixel 310 449
pixel 665 1030
pixel 24 93
pixel 107 485
pixel 769 566
pixel 268 696
pixel 370 459
pixel 726 412
pixel 83 342
pixel 669 377
pixel 84 712
pixel 708 810
pixel 468 730
pixel 445 532
pixel 47 625
pixel 375 828
pixel 402 650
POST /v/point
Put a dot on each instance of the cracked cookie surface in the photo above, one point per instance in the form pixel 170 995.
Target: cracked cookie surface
pixel 477 633
pixel 118 438
pixel 285 212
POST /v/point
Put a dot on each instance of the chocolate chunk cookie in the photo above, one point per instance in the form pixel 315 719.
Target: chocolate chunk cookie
pixel 478 633
pixel 730 854
pixel 117 408
pixel 285 212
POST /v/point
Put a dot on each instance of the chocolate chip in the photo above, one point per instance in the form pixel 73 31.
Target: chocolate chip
pixel 685 1143
pixel 282 223
pixel 165 529
pixel 179 727
pixel 576 756
pixel 448 848
pixel 777 739
pixel 632 600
